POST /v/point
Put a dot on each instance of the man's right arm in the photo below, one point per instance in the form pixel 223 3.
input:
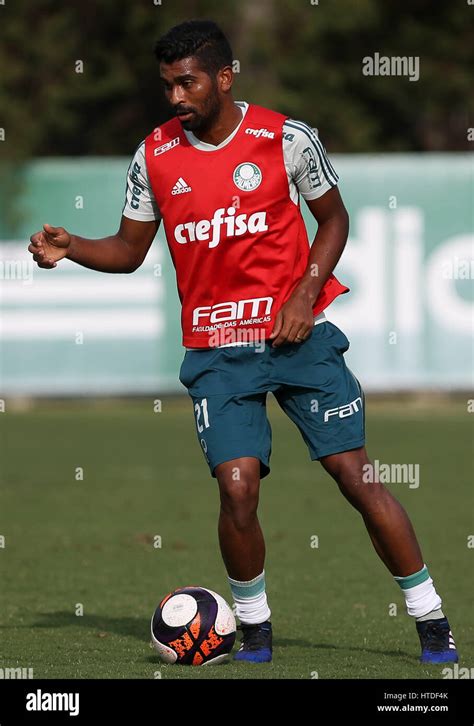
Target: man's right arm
pixel 121 252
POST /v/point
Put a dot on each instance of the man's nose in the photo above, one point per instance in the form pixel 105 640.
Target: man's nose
pixel 177 96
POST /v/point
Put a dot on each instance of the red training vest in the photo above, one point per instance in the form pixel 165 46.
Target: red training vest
pixel 238 243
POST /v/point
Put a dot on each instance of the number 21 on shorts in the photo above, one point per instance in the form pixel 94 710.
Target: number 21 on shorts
pixel 201 407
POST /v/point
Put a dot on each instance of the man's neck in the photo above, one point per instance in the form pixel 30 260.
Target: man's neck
pixel 227 121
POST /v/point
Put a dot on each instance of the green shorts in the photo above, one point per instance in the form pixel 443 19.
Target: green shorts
pixel 310 381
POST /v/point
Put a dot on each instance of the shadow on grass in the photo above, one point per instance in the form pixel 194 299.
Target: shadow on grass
pixel 100 625
pixel 139 628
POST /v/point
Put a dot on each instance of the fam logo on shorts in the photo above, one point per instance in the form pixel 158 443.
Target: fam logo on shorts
pixel 247 176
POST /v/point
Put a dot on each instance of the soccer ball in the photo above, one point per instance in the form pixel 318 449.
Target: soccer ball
pixel 193 626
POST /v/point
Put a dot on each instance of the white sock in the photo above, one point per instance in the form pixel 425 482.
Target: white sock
pixel 420 595
pixel 250 599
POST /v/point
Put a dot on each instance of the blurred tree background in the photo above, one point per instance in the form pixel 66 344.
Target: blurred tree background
pixel 301 58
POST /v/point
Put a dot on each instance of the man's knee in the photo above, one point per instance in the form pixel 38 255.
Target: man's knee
pixel 239 484
pixel 351 470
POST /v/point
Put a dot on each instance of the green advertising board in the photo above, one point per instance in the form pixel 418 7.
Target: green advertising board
pixel 409 262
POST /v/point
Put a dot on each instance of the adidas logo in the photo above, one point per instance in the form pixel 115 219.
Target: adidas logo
pixel 181 187
pixel 452 644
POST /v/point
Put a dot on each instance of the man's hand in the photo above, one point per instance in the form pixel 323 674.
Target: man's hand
pixel 294 321
pixel 49 246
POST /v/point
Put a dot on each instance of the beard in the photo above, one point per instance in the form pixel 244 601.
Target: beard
pixel 202 120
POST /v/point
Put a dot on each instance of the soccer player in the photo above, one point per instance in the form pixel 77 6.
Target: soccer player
pixel 225 177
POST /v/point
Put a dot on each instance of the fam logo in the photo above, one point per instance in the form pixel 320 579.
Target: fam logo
pixel 346 410
pixel 247 176
pixel 166 147
pixel 251 308
pixel 312 167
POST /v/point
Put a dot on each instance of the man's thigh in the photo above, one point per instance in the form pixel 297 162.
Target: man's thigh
pixel 320 393
pixel 229 401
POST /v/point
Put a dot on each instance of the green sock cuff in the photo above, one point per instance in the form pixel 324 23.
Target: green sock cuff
pixel 250 588
pixel 412 580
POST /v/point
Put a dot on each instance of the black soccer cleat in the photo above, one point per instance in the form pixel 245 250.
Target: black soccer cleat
pixel 437 642
pixel 256 643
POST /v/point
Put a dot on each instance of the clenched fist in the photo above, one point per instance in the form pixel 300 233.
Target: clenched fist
pixel 49 246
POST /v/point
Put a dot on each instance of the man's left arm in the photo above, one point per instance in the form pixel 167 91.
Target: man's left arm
pixel 313 176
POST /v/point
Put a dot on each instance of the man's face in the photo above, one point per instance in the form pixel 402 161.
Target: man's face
pixel 192 93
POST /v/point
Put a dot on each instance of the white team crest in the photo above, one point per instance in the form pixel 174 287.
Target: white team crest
pixel 247 176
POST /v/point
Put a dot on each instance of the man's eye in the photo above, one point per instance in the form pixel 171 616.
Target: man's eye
pixel 187 84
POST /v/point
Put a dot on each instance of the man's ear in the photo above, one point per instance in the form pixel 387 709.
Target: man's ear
pixel 225 78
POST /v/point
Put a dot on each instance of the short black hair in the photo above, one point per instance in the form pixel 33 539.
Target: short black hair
pixel 202 39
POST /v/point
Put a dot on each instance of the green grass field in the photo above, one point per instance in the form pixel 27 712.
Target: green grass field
pixel 89 542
